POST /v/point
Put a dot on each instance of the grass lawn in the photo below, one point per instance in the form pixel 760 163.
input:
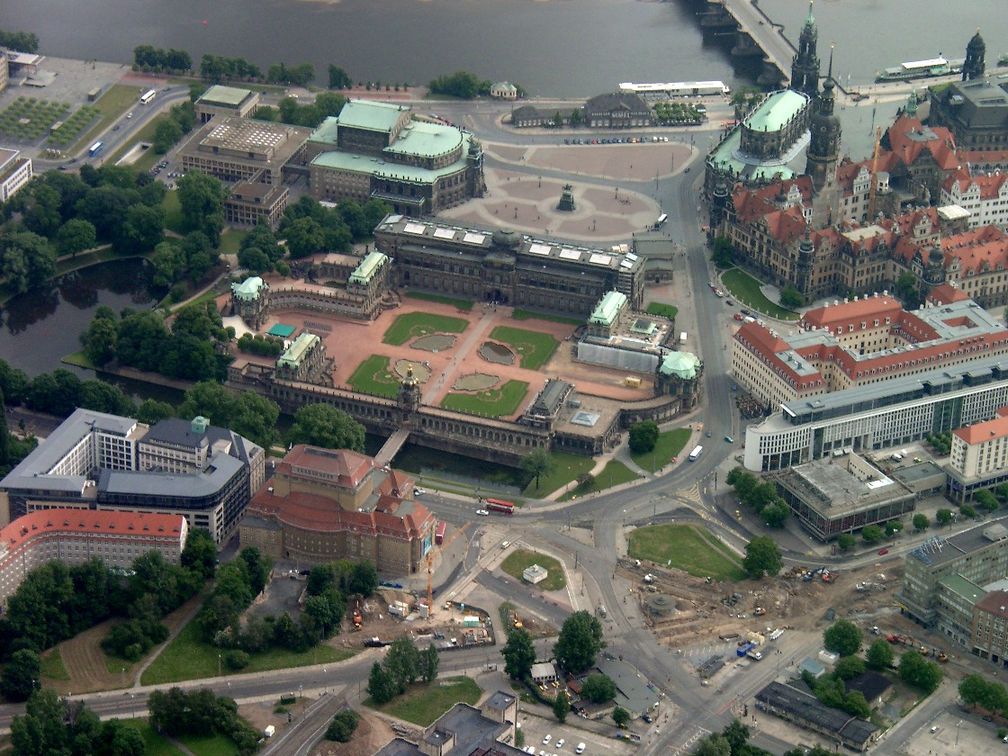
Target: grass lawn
pixel 662 310
pixel 491 403
pixel 688 548
pixel 534 348
pixel 746 289
pixel 670 444
pixel 373 376
pixel 173 212
pixel 566 467
pixel 613 474
pixel 116 101
pixel 149 157
pixel 465 305
pixel 78 359
pixel 519 559
pixel 230 240
pixel 422 704
pixel 412 325
pixel 209 745
pixel 51 665
pixel 520 314
pixel 188 658
pixel 154 744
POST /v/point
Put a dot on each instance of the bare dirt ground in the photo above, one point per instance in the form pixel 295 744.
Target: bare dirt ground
pixel 85 661
pixel 371 735
pixel 462 358
pixel 701 612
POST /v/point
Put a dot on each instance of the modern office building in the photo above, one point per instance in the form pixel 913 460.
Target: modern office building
pixel 15 172
pixel 863 342
pixel 978 555
pixel 325 504
pixel 975 111
pixel 841 494
pixel 504 267
pixel 223 101
pixel 881 415
pixel 979 457
pixel 96 461
pixel 73 536
pixel 379 150
pixel 240 149
pixel 249 202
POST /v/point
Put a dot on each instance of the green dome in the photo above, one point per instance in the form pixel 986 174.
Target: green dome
pixel 682 365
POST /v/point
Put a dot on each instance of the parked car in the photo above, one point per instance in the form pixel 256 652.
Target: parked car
pixel 883 552
pixel 417 491
pixel 547 738
pixel 580 748
pixel 483 512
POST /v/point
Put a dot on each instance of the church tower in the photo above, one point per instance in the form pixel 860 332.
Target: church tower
pixel 804 263
pixel 824 148
pixel 973 66
pixel 805 63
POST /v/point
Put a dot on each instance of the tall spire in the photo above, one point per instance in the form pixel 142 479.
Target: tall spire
pixel 829 73
pixel 810 19
pixel 805 63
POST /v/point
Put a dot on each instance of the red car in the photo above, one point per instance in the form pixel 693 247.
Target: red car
pixel 883 552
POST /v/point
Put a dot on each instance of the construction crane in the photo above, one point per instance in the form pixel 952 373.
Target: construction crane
pixel 873 188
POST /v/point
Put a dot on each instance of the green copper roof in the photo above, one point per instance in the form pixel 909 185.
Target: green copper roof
pixel 346 161
pixel 724 159
pixel 608 308
pixel 776 110
pixel 376 116
pixel 963 587
pixel 680 364
pixel 296 351
pixel 810 20
pixel 326 131
pixel 221 95
pixel 365 270
pixel 424 139
pixel 247 290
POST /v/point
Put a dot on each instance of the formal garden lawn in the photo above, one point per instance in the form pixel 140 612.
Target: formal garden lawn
pixel 374 376
pixel 613 474
pixel 670 444
pixel 28 119
pixel 496 402
pixel 662 310
pixel 71 127
pixel 519 559
pixel 465 305
pixel 51 665
pixel 411 325
pixel 189 657
pixel 746 290
pixel 533 347
pixel 422 704
pixel 688 548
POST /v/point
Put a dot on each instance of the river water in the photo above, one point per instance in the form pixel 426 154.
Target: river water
pixel 40 327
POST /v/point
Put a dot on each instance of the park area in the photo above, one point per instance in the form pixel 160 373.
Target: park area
pixel 494 402
pixel 28 119
pixel 423 703
pixel 746 290
pixel 688 548
pixel 520 559
pixel 373 376
pixel 412 325
pixel 669 445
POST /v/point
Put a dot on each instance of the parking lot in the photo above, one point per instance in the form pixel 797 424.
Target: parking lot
pixel 954 733
pixel 536 728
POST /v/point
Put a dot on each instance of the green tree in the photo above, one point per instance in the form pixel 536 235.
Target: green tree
pixel 762 557
pixel 598 688
pixel 338 78
pixel 855 703
pixel 621 717
pixel 167 132
pixel 561 706
pixel 536 463
pixel 845 541
pixel 872 534
pixel 986 500
pixel 142 229
pixel 843 637
pixel 967 511
pixel 791 297
pixel 324 425
pixel 908 290
pixel 715 745
pixel 579 642
pixel 921 522
pixel 917 671
pixel 775 514
pixel 254 260
pixel 99 340
pixel 943 516
pixel 304 237
pixel 202 200
pixel 75 236
pixel 21 676
pixel 402 660
pixel 849 667
pixel 342 727
pixel 880 655
pixel 519 654
pixel 381 685
pixel 200 553
pixel 429 661
pixel 893 527
pixel 643 436
pixel 722 252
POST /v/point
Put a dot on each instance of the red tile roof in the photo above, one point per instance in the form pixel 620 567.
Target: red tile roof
pixel 320 513
pixel 907 145
pixel 852 313
pixel 989 185
pixel 342 467
pixel 946 294
pixel 763 342
pixel 77 522
pixel 977 250
pixel 985 431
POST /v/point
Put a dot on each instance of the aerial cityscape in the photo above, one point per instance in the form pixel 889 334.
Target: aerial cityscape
pixel 464 378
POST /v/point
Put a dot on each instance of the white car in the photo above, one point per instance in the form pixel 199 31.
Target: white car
pixel 560 743
pixel 547 739
pixel 580 748
pixel 485 512
pixel 417 491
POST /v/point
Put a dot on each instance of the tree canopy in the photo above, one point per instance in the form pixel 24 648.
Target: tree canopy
pixel 324 425
pixel 579 642
pixel 762 557
pixel 843 637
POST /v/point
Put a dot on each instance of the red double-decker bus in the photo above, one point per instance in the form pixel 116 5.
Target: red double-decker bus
pixel 439 532
pixel 499 505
